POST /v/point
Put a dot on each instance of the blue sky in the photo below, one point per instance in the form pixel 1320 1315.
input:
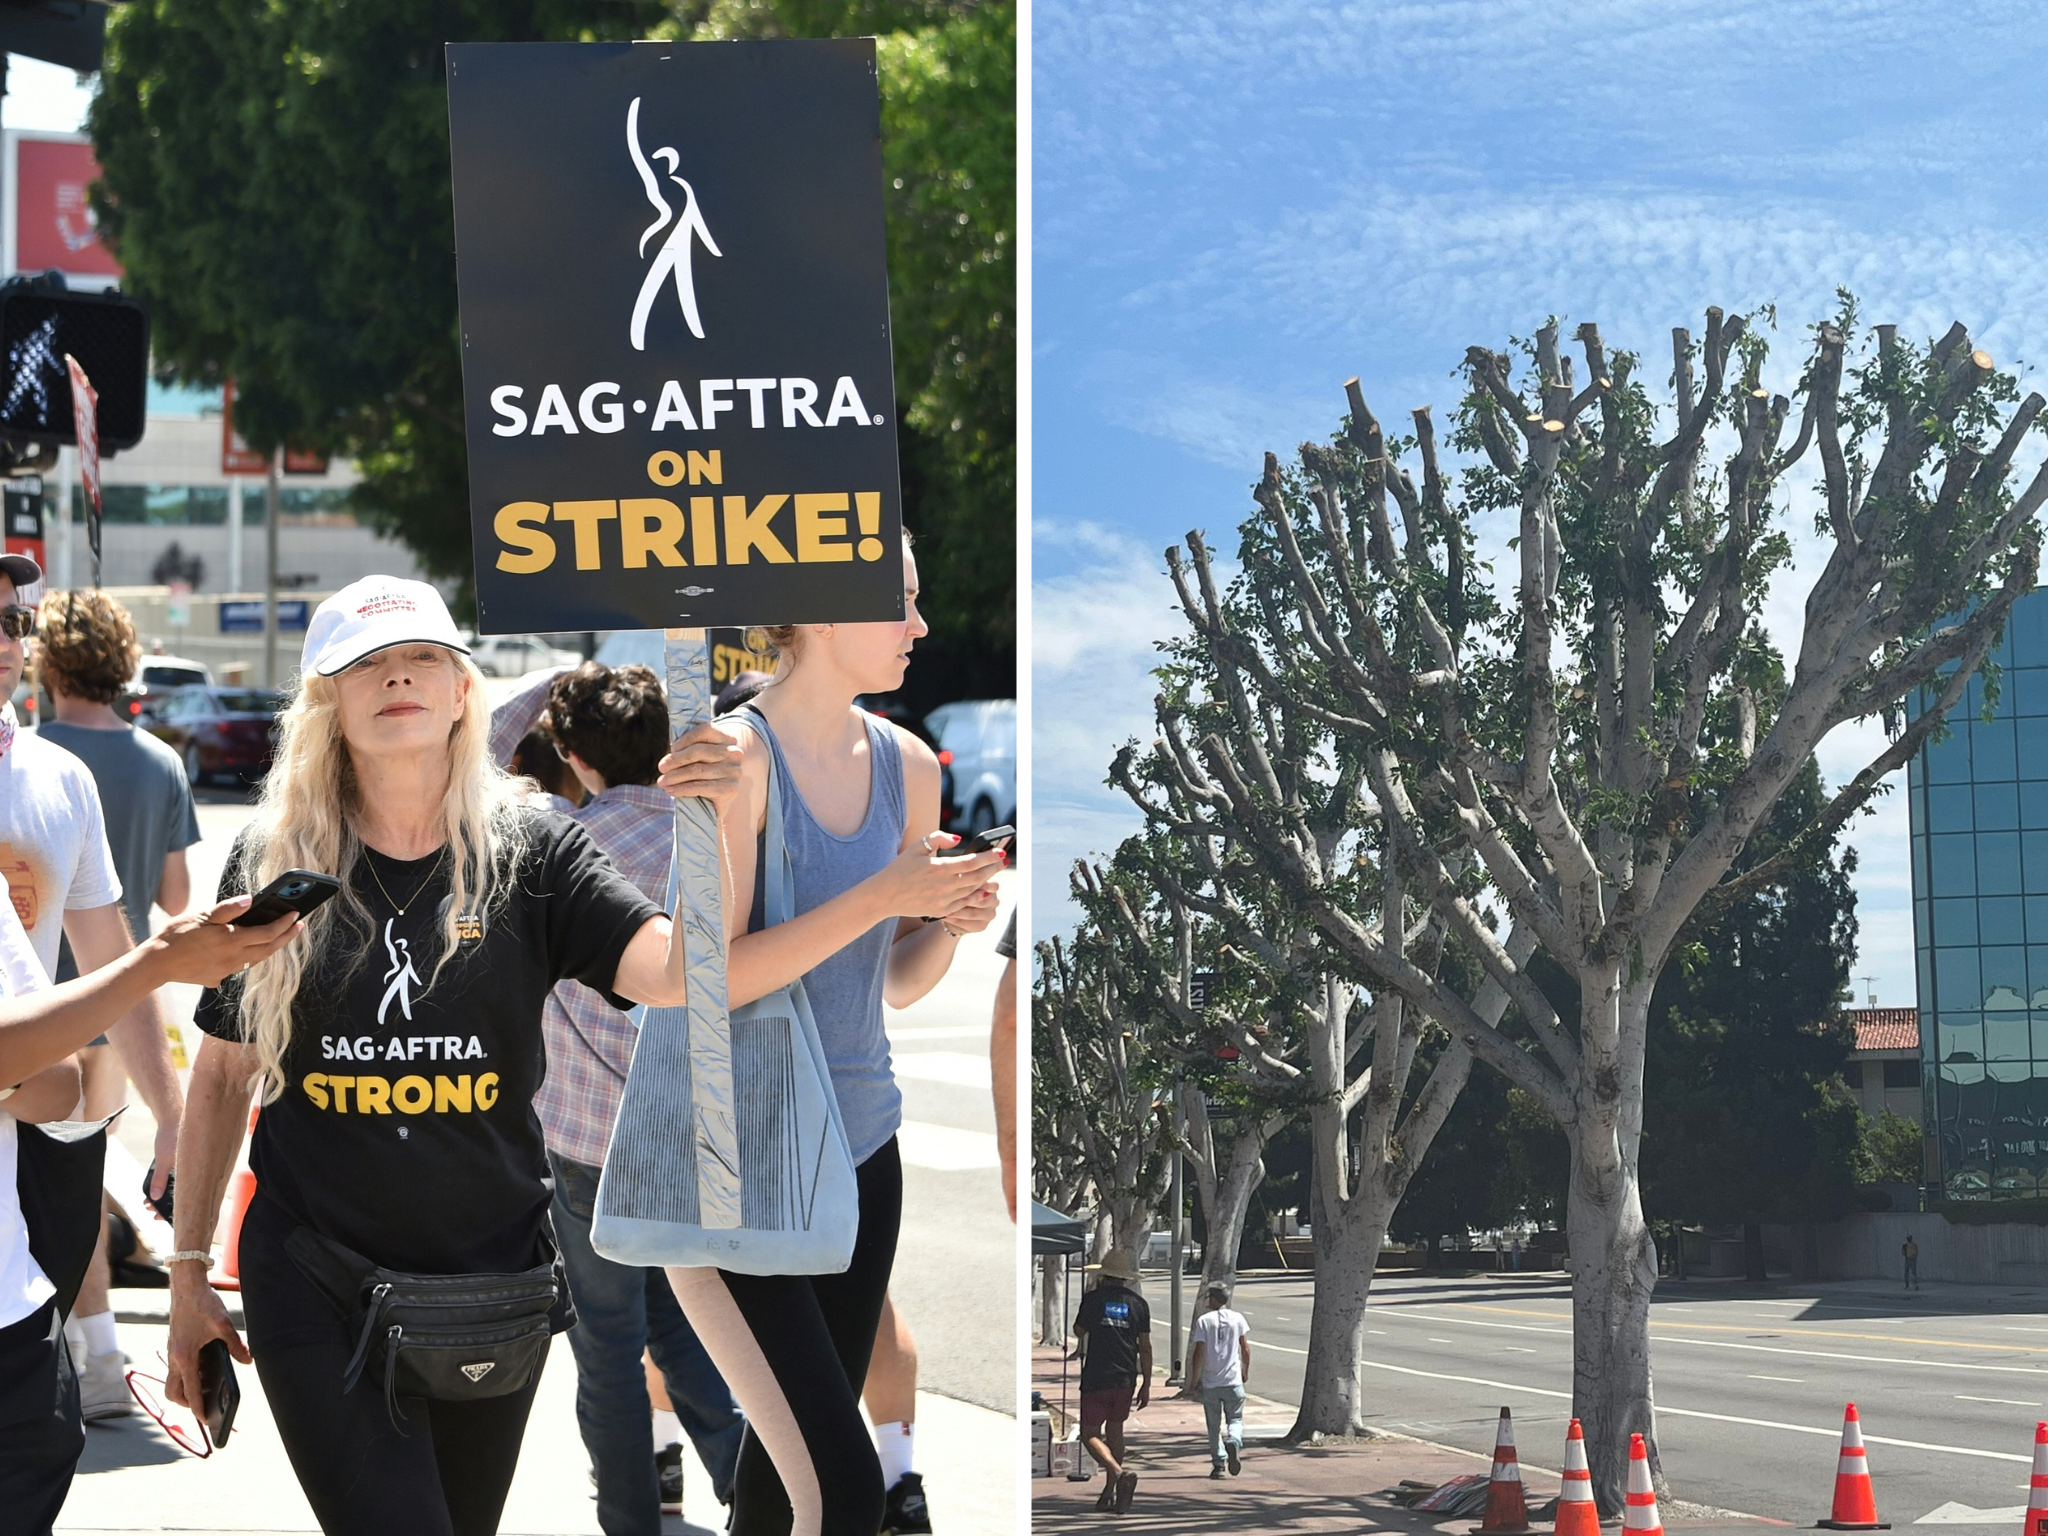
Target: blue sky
pixel 1237 206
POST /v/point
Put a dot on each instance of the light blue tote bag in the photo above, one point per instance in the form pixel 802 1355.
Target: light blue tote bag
pixel 728 1150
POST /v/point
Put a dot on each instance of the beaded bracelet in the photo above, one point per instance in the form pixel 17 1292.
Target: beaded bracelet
pixel 191 1256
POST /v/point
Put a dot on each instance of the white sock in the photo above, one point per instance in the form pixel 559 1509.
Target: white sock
pixel 74 1340
pixel 668 1429
pixel 99 1333
pixel 893 1443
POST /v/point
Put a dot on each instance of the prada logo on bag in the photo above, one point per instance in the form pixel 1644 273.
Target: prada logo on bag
pixel 480 1370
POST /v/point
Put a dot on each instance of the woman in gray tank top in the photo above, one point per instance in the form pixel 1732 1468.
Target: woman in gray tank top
pixel 878 919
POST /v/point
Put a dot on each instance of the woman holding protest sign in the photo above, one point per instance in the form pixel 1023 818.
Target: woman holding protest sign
pixel 878 916
pixel 399 1161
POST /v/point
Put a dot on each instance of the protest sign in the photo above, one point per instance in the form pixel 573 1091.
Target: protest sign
pixel 677 375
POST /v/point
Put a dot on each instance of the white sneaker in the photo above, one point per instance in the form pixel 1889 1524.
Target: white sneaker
pixel 103 1388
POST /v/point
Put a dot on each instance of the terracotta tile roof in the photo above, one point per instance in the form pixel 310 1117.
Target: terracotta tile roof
pixel 1886 1029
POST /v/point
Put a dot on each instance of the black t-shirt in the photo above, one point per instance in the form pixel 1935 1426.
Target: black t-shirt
pixel 1114 1320
pixel 406 1127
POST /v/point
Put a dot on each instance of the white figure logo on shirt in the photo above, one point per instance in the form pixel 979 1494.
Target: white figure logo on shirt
pixel 401 978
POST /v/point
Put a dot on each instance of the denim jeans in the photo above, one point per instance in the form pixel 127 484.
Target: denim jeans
pixel 1225 1408
pixel 620 1310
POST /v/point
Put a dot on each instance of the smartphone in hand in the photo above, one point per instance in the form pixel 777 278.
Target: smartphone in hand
pixel 219 1393
pixel 991 841
pixel 296 890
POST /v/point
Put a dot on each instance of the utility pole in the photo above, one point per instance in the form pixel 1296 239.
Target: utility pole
pixel 234 533
pixel 270 573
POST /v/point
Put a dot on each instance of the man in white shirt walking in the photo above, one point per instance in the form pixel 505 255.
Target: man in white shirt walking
pixel 1220 1364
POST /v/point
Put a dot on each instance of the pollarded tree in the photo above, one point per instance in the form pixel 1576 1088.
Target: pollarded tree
pixel 1231 1059
pixel 1309 830
pixel 1098 1089
pixel 1596 742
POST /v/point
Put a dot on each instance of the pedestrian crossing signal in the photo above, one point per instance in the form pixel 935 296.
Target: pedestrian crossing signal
pixel 40 323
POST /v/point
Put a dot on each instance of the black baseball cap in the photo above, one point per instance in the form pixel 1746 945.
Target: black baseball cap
pixel 21 570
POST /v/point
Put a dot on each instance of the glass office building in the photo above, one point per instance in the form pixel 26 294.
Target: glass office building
pixel 1979 815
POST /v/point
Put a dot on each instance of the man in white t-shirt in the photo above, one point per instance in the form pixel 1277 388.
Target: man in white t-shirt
pixel 61 881
pixel 1219 1364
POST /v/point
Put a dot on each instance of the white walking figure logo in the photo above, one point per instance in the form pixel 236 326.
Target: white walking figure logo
pixel 674 255
pixel 401 977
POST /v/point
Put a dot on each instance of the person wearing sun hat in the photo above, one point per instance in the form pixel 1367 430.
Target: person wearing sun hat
pixel 398 1047
pixel 1115 1329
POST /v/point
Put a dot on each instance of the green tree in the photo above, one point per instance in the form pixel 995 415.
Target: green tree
pixel 275 182
pixel 1747 1045
pixel 1894 1150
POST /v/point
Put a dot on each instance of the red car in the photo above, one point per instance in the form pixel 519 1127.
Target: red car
pixel 218 731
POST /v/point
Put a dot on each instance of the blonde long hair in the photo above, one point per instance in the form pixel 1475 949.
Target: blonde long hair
pixel 305 821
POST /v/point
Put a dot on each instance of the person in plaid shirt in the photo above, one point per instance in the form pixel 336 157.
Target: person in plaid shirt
pixel 611 724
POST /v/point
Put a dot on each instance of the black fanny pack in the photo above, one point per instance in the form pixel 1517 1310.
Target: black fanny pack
pixel 451 1338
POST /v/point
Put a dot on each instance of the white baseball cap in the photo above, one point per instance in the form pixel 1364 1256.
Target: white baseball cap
pixel 372 615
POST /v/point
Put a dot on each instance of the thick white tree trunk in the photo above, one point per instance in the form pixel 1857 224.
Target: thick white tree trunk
pixel 1052 1317
pixel 1347 1248
pixel 1613 1258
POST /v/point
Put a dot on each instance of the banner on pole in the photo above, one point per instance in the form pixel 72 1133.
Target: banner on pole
pixel 678 387
pixel 85 418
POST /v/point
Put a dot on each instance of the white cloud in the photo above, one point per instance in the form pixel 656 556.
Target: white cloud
pixel 1095 634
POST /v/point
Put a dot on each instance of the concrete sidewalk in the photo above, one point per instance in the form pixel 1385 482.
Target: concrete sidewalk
pixel 1337 1486
pixel 133 1478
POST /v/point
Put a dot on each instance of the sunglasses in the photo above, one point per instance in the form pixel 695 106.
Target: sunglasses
pixel 169 1417
pixel 17 622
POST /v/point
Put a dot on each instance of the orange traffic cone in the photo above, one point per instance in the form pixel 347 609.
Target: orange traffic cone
pixel 2037 1499
pixel 1577 1514
pixel 1641 1514
pixel 1855 1500
pixel 1507 1514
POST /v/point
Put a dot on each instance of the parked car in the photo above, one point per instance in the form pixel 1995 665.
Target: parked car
pixel 517 655
pixel 977 744
pixel 157 679
pixel 219 731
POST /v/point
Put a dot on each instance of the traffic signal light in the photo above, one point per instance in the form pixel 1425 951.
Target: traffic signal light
pixel 40 321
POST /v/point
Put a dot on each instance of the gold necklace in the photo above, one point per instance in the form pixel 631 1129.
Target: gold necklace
pixel 432 869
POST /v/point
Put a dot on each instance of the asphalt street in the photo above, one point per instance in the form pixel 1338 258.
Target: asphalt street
pixel 1750 1383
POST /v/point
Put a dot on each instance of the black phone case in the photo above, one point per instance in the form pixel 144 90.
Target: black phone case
pixel 219 1393
pixel 267 909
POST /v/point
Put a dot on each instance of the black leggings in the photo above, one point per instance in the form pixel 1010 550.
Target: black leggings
pixel 794 1349
pixel 447 1474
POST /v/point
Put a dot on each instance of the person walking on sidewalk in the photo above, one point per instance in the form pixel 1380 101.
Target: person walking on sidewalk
pixel 86 651
pixel 609 725
pixel 879 915
pixel 1220 1363
pixel 1114 1327
pixel 399 1048
pixel 1910 1251
pixel 66 887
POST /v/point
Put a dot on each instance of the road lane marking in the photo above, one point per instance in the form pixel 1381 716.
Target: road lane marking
pixel 1832 1433
pixel 1804 1333
pixel 1766 1349
pixel 1963 1514
pixel 2009 1402
pixel 1518 1349
pixel 1797 1381
pixel 1443 1341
